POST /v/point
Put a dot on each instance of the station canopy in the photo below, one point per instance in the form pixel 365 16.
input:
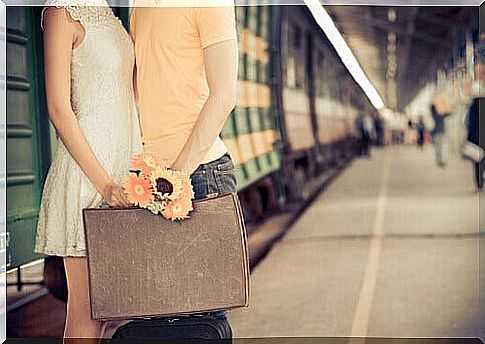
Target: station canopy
pixel 400 49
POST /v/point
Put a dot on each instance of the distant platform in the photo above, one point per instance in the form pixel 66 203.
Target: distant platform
pixel 390 249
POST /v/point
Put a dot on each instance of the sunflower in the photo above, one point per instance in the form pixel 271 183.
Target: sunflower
pixel 138 190
pixel 166 183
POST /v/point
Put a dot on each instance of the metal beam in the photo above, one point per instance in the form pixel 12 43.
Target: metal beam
pixel 407 43
pixel 427 15
pixel 424 37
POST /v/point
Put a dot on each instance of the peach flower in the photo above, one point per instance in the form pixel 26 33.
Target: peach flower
pixel 146 162
pixel 138 190
pixel 187 189
pixel 178 209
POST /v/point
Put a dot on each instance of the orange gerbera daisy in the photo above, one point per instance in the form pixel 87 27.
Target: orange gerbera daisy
pixel 146 162
pixel 177 210
pixel 138 190
pixel 187 189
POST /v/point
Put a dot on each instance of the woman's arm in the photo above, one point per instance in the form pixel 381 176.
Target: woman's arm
pixel 61 33
pixel 221 64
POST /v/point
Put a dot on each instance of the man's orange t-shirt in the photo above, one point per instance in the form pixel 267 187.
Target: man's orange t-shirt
pixel 170 79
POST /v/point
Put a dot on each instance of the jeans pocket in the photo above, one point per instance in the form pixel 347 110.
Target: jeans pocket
pixel 226 166
pixel 225 178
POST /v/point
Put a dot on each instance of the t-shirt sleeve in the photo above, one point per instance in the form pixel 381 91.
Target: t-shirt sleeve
pixel 215 24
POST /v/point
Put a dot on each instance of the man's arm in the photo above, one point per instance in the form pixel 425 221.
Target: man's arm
pixel 221 65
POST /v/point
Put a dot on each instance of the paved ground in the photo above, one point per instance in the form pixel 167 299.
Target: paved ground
pixel 390 249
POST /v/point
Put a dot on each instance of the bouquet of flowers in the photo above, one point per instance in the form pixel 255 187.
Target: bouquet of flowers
pixel 152 185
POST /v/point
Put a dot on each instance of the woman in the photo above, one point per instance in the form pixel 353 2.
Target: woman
pixel 89 60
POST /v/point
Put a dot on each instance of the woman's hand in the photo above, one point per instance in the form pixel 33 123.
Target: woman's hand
pixel 114 195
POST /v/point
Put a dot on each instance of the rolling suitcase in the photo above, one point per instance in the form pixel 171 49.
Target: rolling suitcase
pixel 183 327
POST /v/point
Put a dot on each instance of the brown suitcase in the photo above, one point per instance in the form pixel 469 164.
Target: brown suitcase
pixel 142 265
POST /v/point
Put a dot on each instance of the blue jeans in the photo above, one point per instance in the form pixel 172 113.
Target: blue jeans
pixel 214 178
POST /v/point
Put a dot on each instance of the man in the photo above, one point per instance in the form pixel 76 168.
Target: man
pixel 186 61
pixel 186 77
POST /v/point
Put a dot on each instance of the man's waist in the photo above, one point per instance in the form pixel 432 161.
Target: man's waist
pixel 169 147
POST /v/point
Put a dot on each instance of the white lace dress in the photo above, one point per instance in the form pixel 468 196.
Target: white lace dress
pixel 103 100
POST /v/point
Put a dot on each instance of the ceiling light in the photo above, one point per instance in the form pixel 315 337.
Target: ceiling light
pixel 391 15
pixel 326 23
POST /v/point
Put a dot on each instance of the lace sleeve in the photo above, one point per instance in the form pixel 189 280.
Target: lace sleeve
pixel 72 13
pixel 86 12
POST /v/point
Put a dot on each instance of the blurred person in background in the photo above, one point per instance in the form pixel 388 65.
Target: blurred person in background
pixel 379 130
pixel 440 138
pixel 421 129
pixel 397 125
pixel 364 126
pixel 473 126
pixel 368 123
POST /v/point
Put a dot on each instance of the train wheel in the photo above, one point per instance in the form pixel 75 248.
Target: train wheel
pixel 55 277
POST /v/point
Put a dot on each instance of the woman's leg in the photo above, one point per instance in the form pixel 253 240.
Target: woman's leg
pixel 78 319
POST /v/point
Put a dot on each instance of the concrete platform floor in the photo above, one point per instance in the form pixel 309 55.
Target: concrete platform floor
pixel 390 249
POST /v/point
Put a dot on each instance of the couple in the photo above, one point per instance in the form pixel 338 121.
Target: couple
pixel 179 66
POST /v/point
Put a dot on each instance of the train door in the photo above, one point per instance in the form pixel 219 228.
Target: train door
pixel 28 139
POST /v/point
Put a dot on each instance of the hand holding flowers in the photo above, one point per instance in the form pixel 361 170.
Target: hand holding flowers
pixel 152 185
pixel 114 195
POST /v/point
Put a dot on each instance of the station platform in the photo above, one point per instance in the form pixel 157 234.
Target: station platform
pixel 390 249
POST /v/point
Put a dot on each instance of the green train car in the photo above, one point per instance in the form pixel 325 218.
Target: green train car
pixel 295 106
pixel 29 138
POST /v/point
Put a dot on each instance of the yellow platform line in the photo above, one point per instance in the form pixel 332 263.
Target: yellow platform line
pixel 360 323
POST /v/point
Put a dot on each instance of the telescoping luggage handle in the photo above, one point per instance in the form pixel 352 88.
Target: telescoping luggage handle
pixel 97 220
